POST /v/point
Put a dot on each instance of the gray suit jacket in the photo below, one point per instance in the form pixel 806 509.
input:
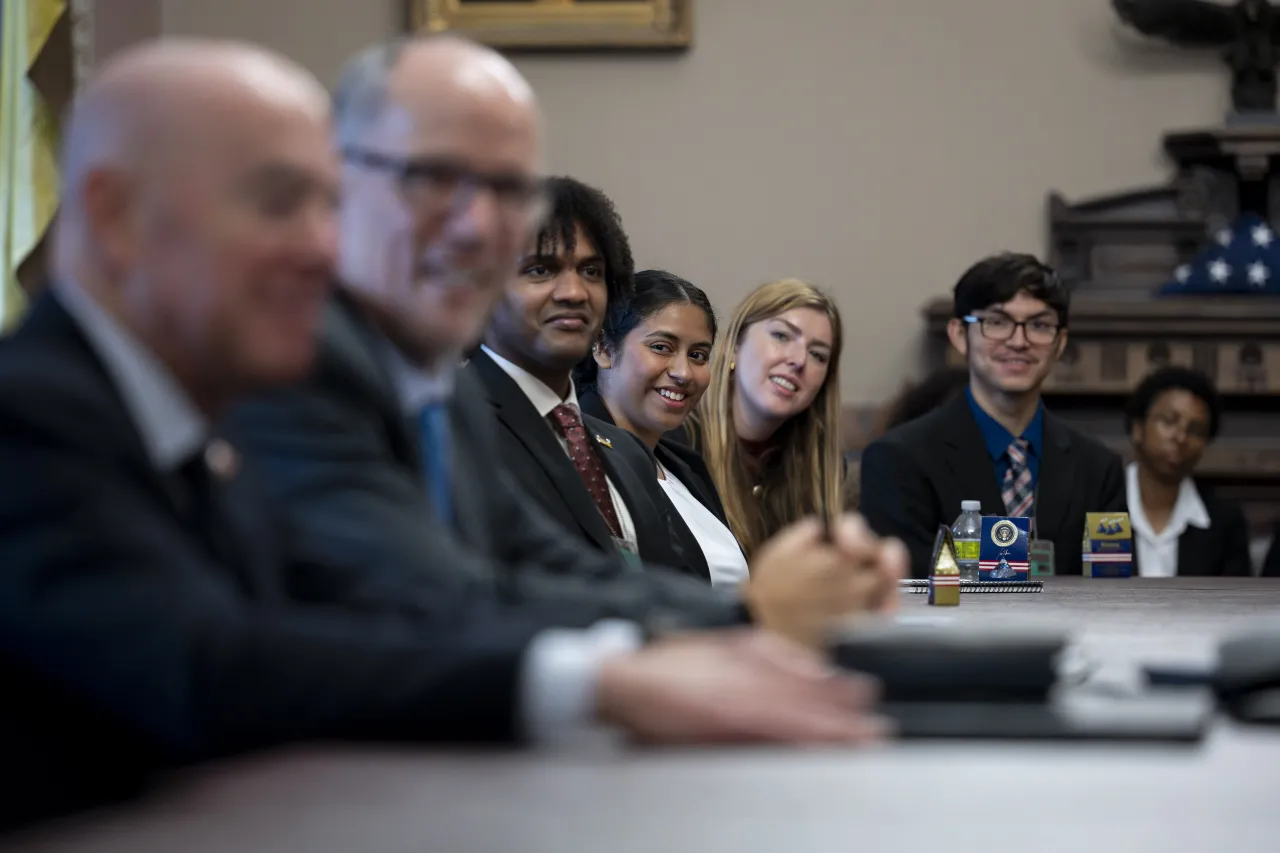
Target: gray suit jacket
pixel 342 463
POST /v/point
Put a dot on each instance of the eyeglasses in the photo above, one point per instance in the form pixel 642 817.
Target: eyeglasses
pixel 997 327
pixel 438 185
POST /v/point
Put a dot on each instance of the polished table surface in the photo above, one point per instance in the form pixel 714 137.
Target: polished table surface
pixel 1223 794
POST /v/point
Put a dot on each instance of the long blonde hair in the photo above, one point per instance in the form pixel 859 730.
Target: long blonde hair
pixel 808 471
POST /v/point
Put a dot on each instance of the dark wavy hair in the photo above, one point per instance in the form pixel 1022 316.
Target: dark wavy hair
pixel 652 291
pixel 999 278
pixel 573 204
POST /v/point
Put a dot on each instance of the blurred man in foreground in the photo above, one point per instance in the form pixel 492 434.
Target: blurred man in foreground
pixel 149 617
pixel 386 462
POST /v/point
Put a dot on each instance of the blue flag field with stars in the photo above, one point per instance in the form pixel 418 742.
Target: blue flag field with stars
pixel 1244 258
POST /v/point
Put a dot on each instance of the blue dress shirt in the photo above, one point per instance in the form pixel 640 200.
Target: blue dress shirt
pixel 998 439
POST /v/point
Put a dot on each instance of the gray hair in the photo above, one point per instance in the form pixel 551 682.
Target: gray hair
pixel 361 93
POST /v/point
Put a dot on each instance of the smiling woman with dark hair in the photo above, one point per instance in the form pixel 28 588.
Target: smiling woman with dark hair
pixel 646 373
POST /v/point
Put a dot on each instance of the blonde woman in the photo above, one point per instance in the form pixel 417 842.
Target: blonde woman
pixel 769 424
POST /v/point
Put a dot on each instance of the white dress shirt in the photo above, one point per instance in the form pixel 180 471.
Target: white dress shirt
pixel 172 428
pixel 544 400
pixel 720 548
pixel 1158 552
pixel 560 667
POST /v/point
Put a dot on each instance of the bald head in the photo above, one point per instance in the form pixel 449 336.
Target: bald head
pixel 197 207
pixel 442 151
pixel 144 104
pixel 432 70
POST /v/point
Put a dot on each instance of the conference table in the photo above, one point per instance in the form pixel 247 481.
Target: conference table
pixel 1219 794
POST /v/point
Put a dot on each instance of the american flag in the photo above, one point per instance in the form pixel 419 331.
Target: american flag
pixel 1244 258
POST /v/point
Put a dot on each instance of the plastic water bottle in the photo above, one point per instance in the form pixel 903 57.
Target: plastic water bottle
pixel 966 533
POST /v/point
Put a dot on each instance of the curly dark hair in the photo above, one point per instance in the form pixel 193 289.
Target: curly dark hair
pixel 1169 378
pixel 573 204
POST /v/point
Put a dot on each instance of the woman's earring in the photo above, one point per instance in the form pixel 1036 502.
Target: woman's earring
pixel 732 364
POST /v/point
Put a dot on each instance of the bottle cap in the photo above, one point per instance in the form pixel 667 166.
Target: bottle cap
pixel 971 506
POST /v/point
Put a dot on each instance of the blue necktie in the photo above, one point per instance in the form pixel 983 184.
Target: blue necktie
pixel 433 433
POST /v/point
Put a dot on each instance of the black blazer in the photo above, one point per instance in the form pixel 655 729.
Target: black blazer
pixel 1271 564
pixel 915 476
pixel 130 645
pixel 342 461
pixel 1220 550
pixel 530 451
pixel 674 452
pixel 684 463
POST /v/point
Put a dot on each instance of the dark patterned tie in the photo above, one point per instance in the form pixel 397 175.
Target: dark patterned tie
pixel 569 424
pixel 1016 489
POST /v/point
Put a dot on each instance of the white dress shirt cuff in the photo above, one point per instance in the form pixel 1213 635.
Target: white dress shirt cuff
pixel 558 690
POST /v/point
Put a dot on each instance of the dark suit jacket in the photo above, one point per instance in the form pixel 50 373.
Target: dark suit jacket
pixel 339 457
pixel 1271 564
pixel 916 475
pixel 531 452
pixel 687 466
pixel 673 451
pixel 1220 550
pixel 128 646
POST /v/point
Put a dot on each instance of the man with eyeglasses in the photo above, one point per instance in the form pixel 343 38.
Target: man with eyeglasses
pixel 996 443
pixel 384 462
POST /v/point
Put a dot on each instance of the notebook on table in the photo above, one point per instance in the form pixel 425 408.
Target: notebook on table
pixel 921 585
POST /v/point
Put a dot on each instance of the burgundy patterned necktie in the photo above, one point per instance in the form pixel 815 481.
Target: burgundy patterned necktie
pixel 1016 490
pixel 569 424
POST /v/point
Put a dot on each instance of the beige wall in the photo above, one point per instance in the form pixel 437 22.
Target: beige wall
pixel 874 146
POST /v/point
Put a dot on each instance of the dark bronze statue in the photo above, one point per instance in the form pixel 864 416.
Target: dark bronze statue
pixel 1247 30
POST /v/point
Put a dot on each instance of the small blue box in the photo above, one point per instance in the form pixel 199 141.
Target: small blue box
pixel 1005 552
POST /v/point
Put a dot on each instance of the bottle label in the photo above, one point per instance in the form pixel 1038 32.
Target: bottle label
pixel 967 550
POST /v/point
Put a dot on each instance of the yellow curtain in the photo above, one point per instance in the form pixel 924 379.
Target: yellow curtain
pixel 28 143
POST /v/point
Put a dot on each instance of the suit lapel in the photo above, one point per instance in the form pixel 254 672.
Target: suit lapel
pixel 696 482
pixel 672 536
pixel 351 345
pixel 235 521
pixel 968 458
pixel 468 506
pixel 1195 547
pixel 248 546
pixel 519 417
pixel 1055 482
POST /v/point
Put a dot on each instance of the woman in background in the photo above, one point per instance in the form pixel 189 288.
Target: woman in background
pixel 646 374
pixel 1179 527
pixel 769 426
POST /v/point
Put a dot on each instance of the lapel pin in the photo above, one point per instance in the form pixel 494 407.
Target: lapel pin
pixel 221 459
pixel 606 442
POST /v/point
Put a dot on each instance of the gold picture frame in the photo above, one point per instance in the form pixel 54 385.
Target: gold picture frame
pixel 560 24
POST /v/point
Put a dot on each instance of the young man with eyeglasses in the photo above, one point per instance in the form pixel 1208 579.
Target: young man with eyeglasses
pixel 996 443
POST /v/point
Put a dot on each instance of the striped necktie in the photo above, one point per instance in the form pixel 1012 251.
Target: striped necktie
pixel 1016 489
pixel 433 434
